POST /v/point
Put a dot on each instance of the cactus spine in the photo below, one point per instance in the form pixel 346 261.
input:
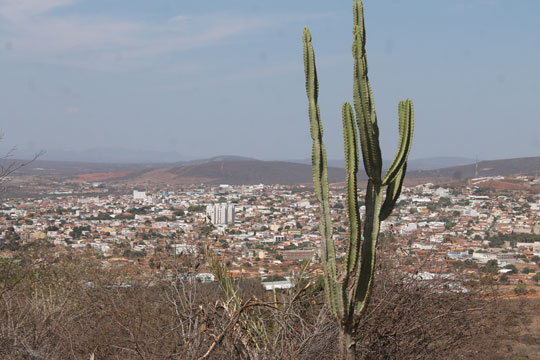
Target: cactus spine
pixel 347 290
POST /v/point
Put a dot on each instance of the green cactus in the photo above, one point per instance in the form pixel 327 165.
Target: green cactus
pixel 347 289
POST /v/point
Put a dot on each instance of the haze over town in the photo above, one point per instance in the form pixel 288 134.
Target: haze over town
pixel 199 79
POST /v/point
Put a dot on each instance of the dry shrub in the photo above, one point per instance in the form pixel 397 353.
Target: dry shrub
pixel 424 315
pixel 66 308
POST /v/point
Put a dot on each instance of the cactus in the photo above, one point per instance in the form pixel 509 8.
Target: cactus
pixel 347 289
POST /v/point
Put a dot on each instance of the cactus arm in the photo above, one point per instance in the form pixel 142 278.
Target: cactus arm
pixel 351 166
pixel 358 16
pixel 371 234
pixel 354 231
pixel 366 117
pixel 333 288
pixel 406 128
pixel 392 193
pixel 320 171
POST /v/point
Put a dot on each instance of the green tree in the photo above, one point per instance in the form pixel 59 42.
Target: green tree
pixel 445 201
pixel 179 213
pixel 197 208
pixel 512 267
pixel 77 231
pixel 492 267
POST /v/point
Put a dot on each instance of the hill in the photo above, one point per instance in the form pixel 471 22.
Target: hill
pixel 413 164
pixel 102 155
pixel 234 171
pixel 71 168
pixel 247 171
pixel 505 167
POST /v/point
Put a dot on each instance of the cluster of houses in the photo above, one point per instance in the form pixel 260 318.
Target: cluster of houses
pixel 271 230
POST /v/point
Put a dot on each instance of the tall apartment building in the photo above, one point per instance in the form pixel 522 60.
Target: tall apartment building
pixel 220 214
pixel 139 195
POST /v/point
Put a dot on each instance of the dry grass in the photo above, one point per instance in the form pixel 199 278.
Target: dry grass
pixel 74 308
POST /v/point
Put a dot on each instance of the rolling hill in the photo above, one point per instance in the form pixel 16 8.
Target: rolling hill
pixel 236 170
pixel 505 167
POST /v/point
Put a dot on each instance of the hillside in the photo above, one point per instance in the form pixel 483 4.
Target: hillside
pixel 67 168
pixel 236 170
pixel 504 167
pixel 413 164
pixel 239 170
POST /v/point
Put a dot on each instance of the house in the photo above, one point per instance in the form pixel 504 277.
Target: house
pixel 273 285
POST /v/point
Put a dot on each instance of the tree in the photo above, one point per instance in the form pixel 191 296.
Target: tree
pixel 8 166
pixel 77 231
pixel 347 291
pixel 468 263
pixel 512 267
pixel 492 267
pixel 102 216
pixel 492 263
pixel 196 208
pixel 162 218
pixel 445 201
pixel 179 213
pixel 338 205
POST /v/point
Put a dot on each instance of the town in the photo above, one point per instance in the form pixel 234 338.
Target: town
pixel 267 232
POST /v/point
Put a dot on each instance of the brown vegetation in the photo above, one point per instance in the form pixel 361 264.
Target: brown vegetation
pixel 63 308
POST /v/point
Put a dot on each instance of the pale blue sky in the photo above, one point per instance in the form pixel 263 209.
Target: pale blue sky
pixel 213 77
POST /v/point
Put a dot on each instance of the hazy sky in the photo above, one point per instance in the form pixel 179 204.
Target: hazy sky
pixel 213 77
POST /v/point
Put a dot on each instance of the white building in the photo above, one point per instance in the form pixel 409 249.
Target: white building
pixel 506 259
pixel 178 249
pixel 205 277
pixel 275 285
pixel 139 195
pixel 220 214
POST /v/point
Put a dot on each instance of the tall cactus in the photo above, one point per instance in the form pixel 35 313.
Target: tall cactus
pixel 347 289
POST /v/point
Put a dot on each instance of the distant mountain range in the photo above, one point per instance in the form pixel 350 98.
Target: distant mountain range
pixel 107 155
pixel 233 171
pixel 504 167
pixel 414 164
pixel 115 156
pixel 237 170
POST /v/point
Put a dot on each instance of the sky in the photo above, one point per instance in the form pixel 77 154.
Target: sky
pixel 206 78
